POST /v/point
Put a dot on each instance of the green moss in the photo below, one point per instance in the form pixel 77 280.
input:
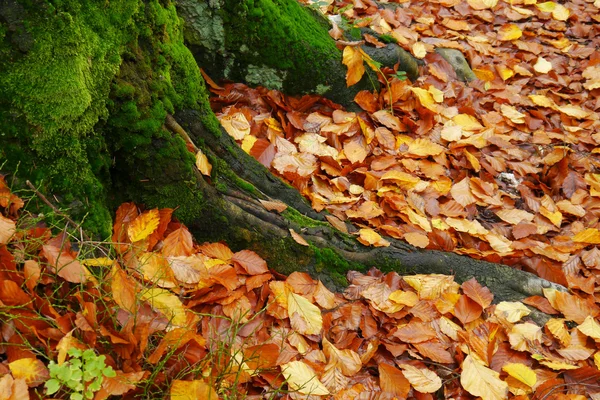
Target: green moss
pixel 58 59
pixel 387 39
pixel 153 165
pixel 290 40
pixel 222 173
pixel 293 215
pixel 328 260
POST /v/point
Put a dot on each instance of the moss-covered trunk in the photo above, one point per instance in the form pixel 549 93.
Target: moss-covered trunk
pixel 88 91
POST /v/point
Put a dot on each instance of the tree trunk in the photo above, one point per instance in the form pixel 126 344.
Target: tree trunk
pixel 99 102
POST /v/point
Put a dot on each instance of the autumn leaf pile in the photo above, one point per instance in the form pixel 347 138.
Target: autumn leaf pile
pixel 504 168
pixel 197 321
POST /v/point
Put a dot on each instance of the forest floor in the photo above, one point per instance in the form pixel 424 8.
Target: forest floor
pixel 503 168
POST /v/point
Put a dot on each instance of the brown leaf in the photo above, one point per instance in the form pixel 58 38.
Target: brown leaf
pixel 251 262
pixel 297 238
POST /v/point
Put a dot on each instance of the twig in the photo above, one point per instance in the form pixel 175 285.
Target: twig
pixel 56 210
pixel 174 127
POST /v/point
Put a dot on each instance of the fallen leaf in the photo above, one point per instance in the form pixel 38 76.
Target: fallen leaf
pixel 481 381
pixel 303 379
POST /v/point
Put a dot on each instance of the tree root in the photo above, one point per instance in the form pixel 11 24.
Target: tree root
pixel 252 226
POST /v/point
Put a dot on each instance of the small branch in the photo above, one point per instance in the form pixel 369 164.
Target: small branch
pixel 174 127
pixel 56 210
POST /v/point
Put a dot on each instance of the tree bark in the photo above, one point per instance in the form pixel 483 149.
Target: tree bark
pixel 101 102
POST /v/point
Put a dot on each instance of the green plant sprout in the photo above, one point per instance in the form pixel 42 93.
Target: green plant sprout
pixel 82 375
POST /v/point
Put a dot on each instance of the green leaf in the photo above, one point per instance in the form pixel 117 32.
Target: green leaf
pixel 52 386
pixel 74 352
pixel 96 385
pixel 76 396
pixel 109 372
pixel 89 394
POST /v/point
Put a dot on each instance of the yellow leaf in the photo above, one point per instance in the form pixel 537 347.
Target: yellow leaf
pixel 202 163
pixel 236 125
pixel 511 311
pixel 499 243
pixel 558 366
pixel 404 298
pixel 484 74
pixel 542 66
pixel 417 239
pixel 557 328
pixel 511 113
pixel 369 237
pixel 248 143
pixel 481 381
pixel 32 370
pixel 166 303
pixel 597 355
pixel 472 160
pixel 192 390
pixel 574 111
pixel 426 99
pixel 482 4
pixel 521 372
pixel 305 317
pixel 423 380
pixel 542 101
pixel 522 335
pixel 504 72
pixel 554 217
pixel 467 122
pixel 424 148
pixel 461 192
pixel 437 94
pixel 590 327
pixel 547 6
pixel 419 50
pixel 509 32
pixel 592 74
pixel 514 216
pixel 451 132
pixel 143 226
pixel 303 379
pixel 559 12
pixel 470 227
pixel 432 286
pixel 354 61
pixel 590 235
pixel 402 179
pixel 347 360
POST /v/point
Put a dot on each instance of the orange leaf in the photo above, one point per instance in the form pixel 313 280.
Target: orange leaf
pixel 7 229
pixel 466 310
pixel 393 381
pixel 251 262
pixel 178 243
pixel 63 263
pixel 480 294
pixel 297 238
pixel 217 250
pixel 124 289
